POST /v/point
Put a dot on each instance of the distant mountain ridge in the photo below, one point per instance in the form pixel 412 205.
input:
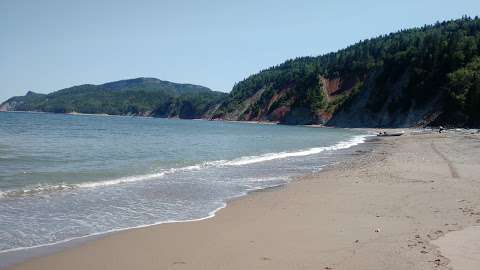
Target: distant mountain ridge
pixel 139 96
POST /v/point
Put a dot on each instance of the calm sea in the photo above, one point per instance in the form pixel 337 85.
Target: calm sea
pixel 69 176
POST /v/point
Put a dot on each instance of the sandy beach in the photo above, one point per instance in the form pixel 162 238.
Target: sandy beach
pixel 396 203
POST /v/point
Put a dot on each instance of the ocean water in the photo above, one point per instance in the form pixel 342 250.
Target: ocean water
pixel 64 177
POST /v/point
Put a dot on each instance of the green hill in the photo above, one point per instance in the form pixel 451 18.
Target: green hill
pixel 414 77
pixel 141 96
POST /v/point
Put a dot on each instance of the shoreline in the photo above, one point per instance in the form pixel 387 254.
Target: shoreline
pixel 148 116
pixel 19 255
pixel 195 244
pixel 23 254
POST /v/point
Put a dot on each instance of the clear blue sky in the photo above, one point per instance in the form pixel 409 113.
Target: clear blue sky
pixel 48 45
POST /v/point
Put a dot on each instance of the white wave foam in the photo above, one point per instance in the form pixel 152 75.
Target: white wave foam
pixel 137 178
pixel 218 163
pixel 210 215
pixel 41 188
pixel 123 180
pixel 316 150
pixel 265 179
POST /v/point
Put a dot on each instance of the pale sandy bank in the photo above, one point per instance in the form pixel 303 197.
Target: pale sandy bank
pixel 380 209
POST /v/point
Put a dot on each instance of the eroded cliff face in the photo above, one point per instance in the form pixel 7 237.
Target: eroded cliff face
pixel 283 105
pixel 263 105
pixel 348 101
pixel 385 105
pixel 286 105
pixel 5 107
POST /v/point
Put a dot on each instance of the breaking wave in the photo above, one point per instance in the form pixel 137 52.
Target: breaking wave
pixel 242 161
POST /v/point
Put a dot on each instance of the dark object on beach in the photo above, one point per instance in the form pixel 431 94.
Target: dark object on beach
pixel 440 129
pixel 385 134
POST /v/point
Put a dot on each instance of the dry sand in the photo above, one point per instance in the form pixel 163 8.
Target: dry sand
pixel 379 209
pixel 462 248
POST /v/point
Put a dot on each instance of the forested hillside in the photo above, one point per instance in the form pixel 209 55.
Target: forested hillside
pixel 420 76
pixel 416 77
pixel 141 96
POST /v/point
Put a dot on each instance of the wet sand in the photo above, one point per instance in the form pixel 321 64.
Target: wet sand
pixel 381 208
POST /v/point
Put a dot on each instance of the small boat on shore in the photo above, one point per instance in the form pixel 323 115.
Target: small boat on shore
pixel 390 134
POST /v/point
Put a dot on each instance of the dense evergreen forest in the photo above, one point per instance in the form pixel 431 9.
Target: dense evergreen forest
pixel 141 96
pixel 433 72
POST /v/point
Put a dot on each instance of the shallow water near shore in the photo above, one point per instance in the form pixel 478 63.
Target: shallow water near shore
pixel 66 177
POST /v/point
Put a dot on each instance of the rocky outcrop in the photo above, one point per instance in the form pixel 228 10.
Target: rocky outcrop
pixel 370 108
pixel 6 106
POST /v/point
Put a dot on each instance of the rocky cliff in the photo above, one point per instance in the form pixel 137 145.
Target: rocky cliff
pixel 416 77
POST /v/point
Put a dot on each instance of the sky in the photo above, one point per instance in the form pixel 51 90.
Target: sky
pixel 53 44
